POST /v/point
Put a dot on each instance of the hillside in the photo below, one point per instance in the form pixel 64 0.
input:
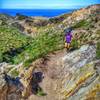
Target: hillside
pixel 34 64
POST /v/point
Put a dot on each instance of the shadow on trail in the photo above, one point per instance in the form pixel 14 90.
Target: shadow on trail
pixel 14 83
pixel 37 78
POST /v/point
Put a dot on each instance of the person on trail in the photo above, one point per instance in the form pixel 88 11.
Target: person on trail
pixel 68 38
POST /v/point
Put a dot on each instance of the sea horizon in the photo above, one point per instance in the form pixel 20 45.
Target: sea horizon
pixel 36 12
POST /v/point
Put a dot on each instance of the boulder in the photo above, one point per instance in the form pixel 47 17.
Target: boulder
pixel 79 58
pixel 3 88
pixel 80 74
pixel 10 88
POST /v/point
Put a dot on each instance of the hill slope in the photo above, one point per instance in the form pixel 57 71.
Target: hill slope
pixel 33 48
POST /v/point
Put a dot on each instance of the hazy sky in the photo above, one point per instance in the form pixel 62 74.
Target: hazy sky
pixel 51 4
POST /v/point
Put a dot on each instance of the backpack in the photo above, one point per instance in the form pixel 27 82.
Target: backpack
pixel 68 30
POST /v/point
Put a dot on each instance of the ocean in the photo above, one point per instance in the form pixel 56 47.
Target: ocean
pixel 36 12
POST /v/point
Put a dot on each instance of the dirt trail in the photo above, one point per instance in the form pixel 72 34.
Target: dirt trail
pixel 51 84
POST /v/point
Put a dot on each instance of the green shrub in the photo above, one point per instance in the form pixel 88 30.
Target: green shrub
pixel 27 63
pixel 40 92
pixel 1 57
pixel 82 23
pixel 74 44
pixel 98 32
pixel 40 47
pixel 14 46
pixel 14 73
pixel 98 50
pixel 21 17
pixel 54 20
pixel 11 42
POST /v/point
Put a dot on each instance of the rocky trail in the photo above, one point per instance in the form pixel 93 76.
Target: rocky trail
pixel 67 75
pixel 51 68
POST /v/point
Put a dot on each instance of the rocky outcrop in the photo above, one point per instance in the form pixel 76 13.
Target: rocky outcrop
pixel 81 74
pixel 10 88
pixel 80 57
pixel 19 26
pixel 3 87
pixel 83 82
pixel 75 75
pixel 83 13
pixel 71 76
pixel 17 88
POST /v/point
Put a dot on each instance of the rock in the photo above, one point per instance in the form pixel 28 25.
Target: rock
pixel 83 77
pixel 82 84
pixel 79 58
pixel 40 22
pixel 9 87
pixel 13 96
pixel 5 67
pixel 3 87
pixel 20 17
pixel 15 88
pixel 18 26
pixel 82 14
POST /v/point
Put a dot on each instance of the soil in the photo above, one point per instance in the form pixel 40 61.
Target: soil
pixel 51 67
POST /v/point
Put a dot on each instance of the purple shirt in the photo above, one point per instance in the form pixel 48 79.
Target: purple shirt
pixel 68 37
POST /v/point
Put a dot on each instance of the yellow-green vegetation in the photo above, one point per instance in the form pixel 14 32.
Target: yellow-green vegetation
pixel 94 93
pixel 41 46
pixel 11 42
pixel 77 85
pixel 14 73
pixel 98 32
pixel 16 48
pixel 80 24
pixel 75 44
pixel 40 92
pixel 98 50
pixel 21 17
pixel 59 19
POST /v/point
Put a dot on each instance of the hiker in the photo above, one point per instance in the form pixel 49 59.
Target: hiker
pixel 68 38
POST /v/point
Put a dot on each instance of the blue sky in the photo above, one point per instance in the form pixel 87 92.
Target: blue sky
pixel 50 4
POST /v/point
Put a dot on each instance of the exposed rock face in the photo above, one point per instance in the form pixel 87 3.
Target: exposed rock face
pixel 5 67
pixel 10 88
pixel 73 76
pixel 79 58
pixel 81 77
pixel 19 26
pixel 3 88
pixel 83 13
pixel 82 83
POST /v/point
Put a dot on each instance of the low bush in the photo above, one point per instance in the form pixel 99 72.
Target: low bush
pixel 14 73
pixel 74 44
pixel 11 42
pixel 98 50
pixel 82 23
